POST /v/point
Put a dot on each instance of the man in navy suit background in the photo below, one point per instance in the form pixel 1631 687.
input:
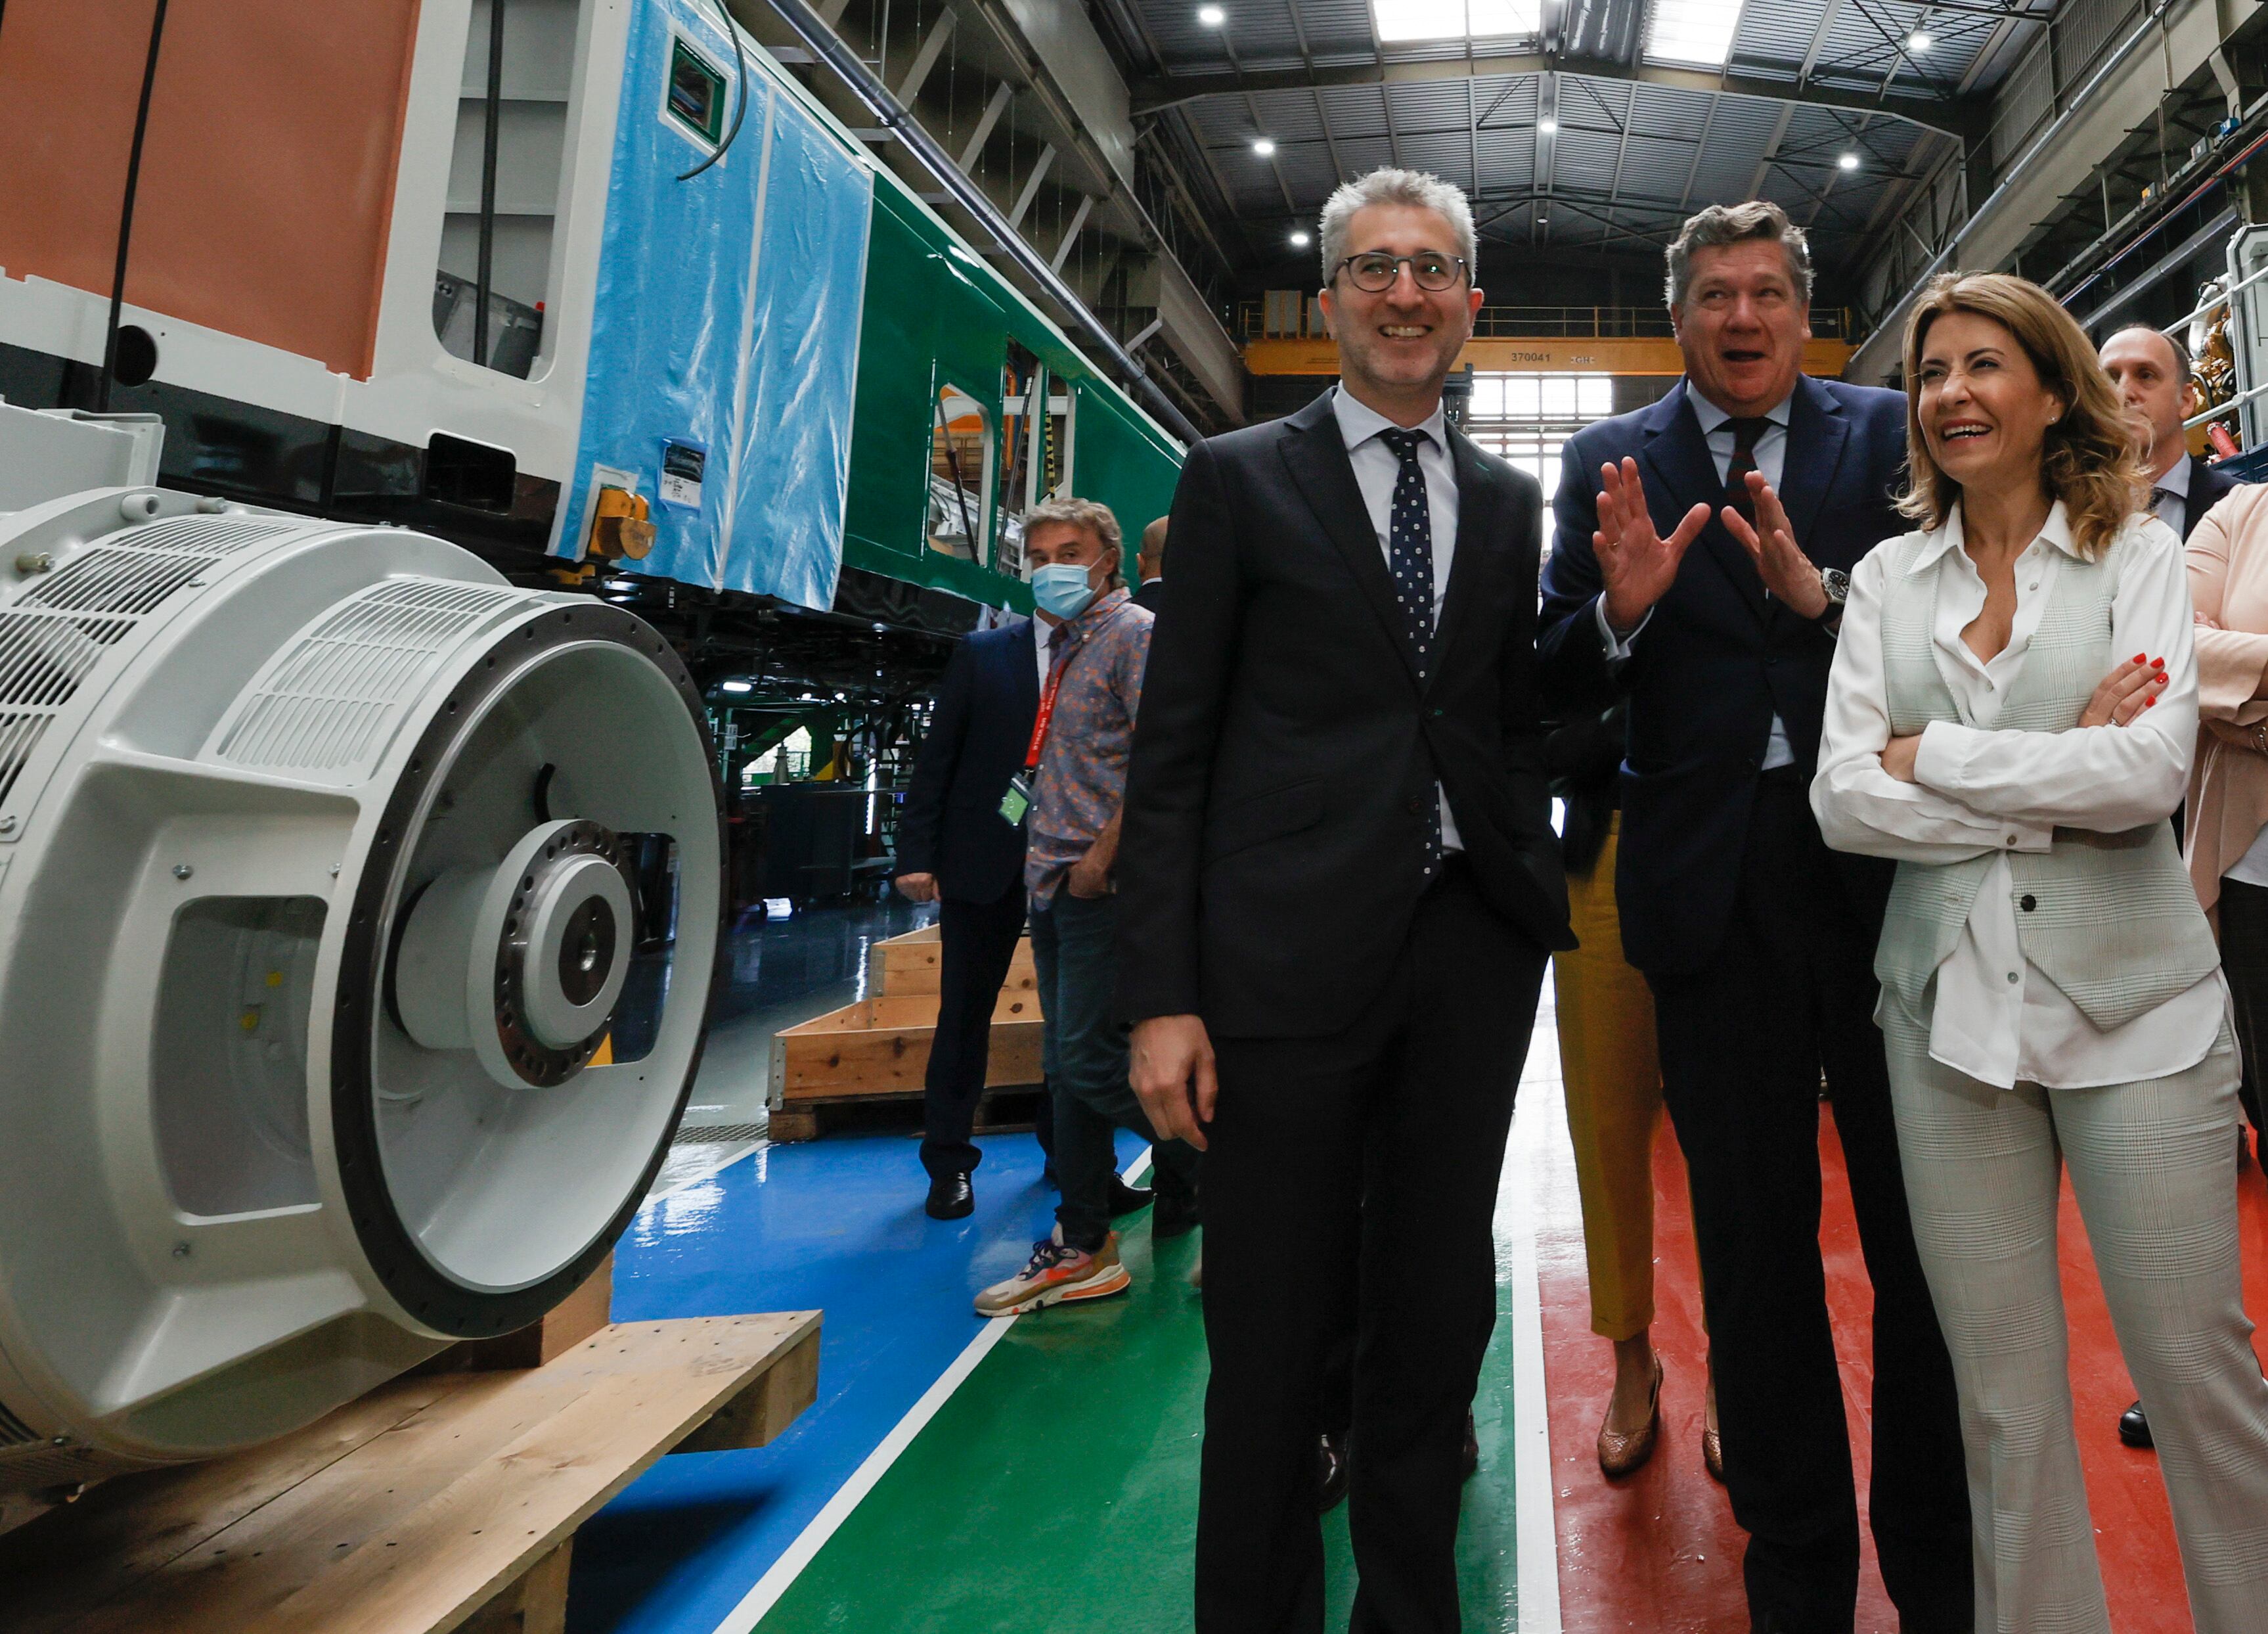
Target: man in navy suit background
pixel 1699 565
pixel 956 849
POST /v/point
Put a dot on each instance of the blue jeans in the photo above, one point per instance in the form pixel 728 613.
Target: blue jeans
pixel 1074 954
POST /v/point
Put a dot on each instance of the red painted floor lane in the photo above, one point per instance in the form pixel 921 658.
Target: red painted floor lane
pixel 1659 1551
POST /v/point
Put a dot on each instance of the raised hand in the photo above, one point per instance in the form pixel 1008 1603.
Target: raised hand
pixel 2125 692
pixel 1637 565
pixel 1787 572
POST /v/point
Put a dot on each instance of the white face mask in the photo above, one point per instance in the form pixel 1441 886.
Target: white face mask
pixel 1062 589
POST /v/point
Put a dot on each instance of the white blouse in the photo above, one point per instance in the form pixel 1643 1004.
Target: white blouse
pixel 1980 790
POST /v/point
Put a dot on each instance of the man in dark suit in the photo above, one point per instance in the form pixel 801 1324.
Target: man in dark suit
pixel 1339 888
pixel 956 849
pixel 2151 371
pixel 1731 513
pixel 1150 568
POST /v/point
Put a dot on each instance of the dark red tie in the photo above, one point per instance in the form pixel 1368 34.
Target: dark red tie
pixel 1745 433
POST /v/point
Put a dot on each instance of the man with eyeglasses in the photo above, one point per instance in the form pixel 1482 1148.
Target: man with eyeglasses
pixel 1338 888
pixel 1698 570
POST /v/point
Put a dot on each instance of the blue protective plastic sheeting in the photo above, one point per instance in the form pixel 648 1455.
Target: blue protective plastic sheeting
pixel 795 460
pixel 725 319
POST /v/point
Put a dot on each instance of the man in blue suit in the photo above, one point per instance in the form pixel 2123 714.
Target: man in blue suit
pixel 1701 557
pixel 956 849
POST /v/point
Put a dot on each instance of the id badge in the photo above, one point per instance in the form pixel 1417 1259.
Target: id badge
pixel 1016 801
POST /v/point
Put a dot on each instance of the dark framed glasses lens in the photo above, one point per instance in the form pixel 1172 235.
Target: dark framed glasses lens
pixel 1372 272
pixel 1433 272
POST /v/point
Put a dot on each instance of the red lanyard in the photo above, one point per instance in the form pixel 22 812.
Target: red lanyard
pixel 1047 708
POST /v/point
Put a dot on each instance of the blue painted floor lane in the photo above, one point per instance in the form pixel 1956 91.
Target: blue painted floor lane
pixel 834 1225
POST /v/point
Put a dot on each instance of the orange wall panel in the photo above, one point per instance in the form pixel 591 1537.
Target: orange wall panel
pixel 268 174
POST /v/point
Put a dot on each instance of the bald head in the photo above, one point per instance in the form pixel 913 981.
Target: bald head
pixel 2151 375
pixel 1151 559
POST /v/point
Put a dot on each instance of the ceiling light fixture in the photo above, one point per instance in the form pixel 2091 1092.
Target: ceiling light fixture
pixel 1299 238
pixel 1848 161
pixel 1917 41
pixel 1547 125
pixel 1265 147
pixel 735 686
pixel 1212 15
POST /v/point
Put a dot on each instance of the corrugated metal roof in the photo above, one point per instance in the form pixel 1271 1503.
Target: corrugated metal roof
pixel 1627 157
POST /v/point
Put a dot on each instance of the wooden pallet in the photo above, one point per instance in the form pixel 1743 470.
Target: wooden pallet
pixel 435 1502
pixel 877 1047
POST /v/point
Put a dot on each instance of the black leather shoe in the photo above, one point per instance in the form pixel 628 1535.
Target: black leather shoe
pixel 1176 1216
pixel 1331 1473
pixel 1126 1199
pixel 2134 1428
pixel 951 1197
pixel 1471 1456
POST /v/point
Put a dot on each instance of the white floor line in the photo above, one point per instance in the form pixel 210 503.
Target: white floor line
pixel 1535 1530
pixel 760 1600
pixel 733 1152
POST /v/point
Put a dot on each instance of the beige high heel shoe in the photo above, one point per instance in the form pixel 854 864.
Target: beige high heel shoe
pixel 1621 1453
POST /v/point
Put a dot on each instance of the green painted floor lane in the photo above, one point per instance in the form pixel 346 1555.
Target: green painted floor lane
pixel 1056 1490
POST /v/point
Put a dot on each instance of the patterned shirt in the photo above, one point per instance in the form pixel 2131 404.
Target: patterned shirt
pixel 1082 777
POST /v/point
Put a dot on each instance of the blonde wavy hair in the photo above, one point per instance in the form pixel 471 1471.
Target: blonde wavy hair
pixel 2089 459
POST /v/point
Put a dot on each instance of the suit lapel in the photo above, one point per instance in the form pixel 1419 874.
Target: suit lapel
pixel 1816 433
pixel 1477 498
pixel 1677 455
pixel 1024 652
pixel 1322 476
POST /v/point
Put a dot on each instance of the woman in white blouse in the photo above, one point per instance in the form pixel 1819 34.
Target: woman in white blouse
pixel 2012 714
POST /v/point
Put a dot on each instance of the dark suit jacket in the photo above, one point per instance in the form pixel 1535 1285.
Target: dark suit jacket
pixel 1273 850
pixel 1718 658
pixel 2208 487
pixel 950 824
pixel 1150 596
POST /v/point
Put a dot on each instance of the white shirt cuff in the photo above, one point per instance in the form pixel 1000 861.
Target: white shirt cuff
pixel 1618 647
pixel 1941 764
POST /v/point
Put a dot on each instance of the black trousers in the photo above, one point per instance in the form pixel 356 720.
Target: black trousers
pixel 1351 1179
pixel 2244 959
pixel 1742 1045
pixel 979 943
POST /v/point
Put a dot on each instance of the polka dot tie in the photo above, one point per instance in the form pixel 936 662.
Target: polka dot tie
pixel 1410 559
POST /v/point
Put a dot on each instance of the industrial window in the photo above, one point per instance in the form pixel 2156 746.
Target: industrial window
pixel 960 469
pixel 1456 19
pixel 1035 449
pixel 532 67
pixel 1693 30
pixel 1528 419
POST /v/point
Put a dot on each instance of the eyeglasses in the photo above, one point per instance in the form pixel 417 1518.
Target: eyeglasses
pixel 1375 272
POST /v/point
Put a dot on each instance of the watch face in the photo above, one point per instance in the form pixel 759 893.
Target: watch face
pixel 1836 582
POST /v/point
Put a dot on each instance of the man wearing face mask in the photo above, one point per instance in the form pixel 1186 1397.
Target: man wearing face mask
pixel 1097 644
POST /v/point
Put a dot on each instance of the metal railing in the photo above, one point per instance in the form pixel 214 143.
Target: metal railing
pixel 1303 320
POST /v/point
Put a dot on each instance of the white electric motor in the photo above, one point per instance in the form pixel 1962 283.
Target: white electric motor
pixel 340 1011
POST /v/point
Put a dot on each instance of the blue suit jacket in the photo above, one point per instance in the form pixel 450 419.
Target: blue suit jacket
pixel 1718 658
pixel 950 824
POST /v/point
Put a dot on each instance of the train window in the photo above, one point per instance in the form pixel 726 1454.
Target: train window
pixel 1023 435
pixel 960 469
pixel 511 222
pixel 696 92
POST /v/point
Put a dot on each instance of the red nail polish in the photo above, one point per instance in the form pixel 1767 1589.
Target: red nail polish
pixel 2157 663
pixel 2149 703
pixel 2139 658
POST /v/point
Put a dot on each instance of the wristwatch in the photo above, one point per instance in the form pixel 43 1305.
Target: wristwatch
pixel 1836 585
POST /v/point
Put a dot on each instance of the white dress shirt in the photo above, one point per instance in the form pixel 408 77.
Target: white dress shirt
pixel 1376 470
pixel 2169 496
pixel 1770 455
pixel 1996 1017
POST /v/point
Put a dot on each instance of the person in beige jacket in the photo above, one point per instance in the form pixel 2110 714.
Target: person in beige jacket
pixel 2226 816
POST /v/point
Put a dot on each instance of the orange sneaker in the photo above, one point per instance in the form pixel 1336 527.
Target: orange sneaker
pixel 1058 1275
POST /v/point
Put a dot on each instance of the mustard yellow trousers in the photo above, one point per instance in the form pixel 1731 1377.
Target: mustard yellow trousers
pixel 1613 1075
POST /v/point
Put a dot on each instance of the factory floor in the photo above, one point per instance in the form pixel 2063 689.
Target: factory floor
pixel 962 1477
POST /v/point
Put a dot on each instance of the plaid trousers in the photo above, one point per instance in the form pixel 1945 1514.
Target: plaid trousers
pixel 2153 1167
